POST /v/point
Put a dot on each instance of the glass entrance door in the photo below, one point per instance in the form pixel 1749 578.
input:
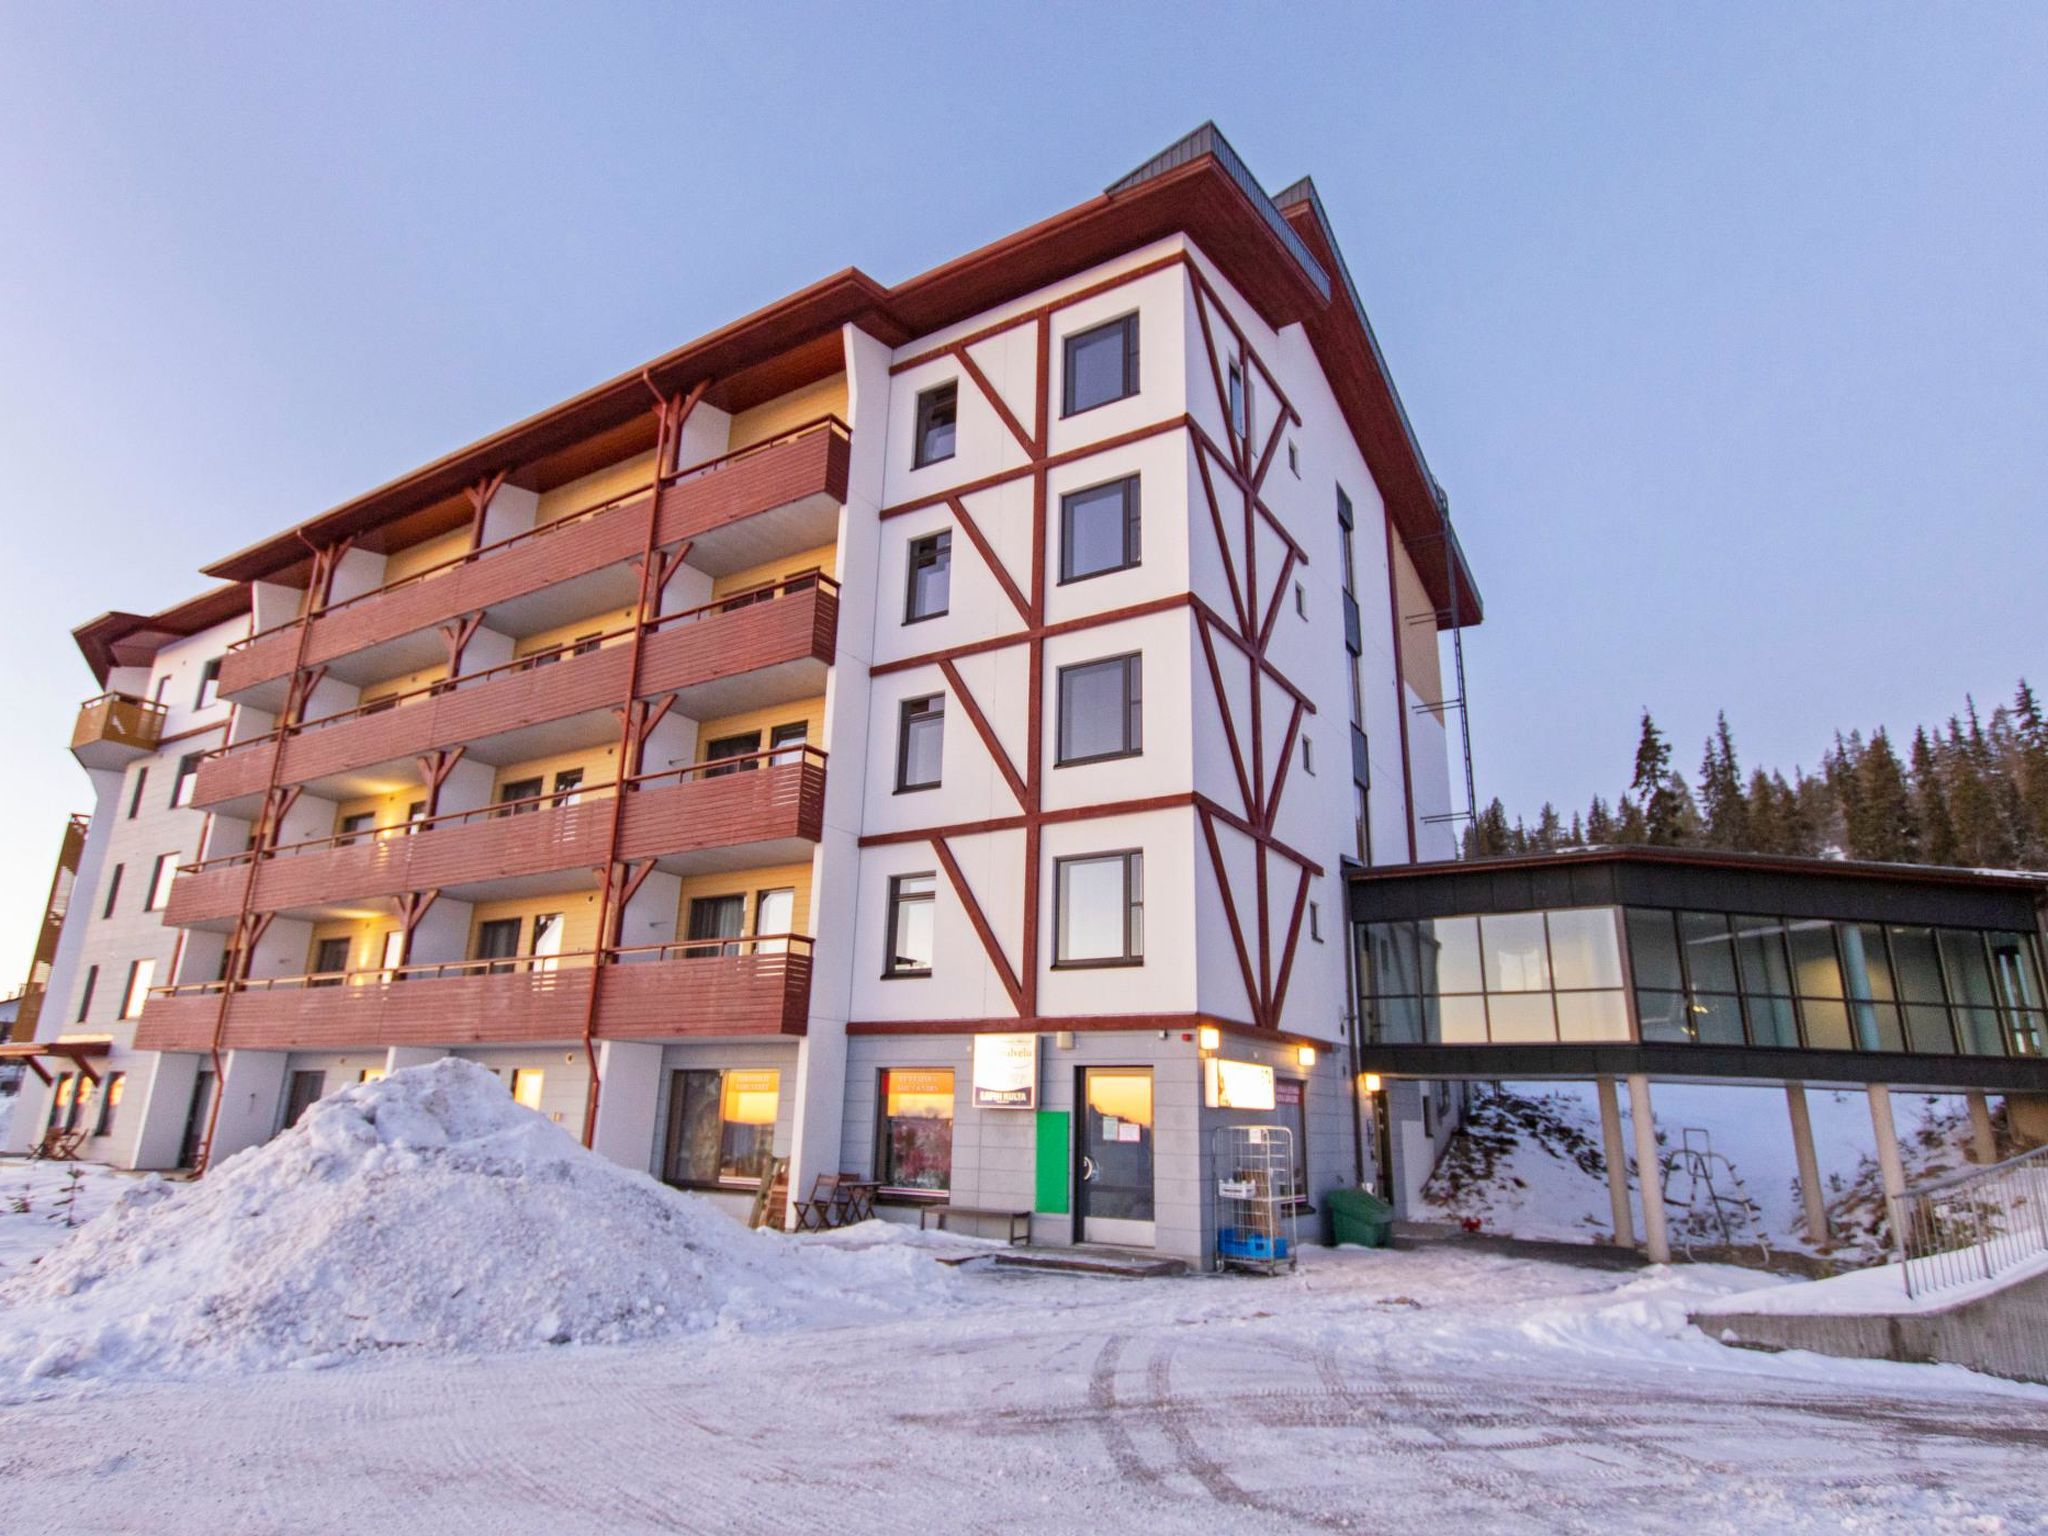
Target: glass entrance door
pixel 1115 1194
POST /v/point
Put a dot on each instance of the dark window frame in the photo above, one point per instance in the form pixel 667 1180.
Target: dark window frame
pixel 940 544
pixel 135 797
pixel 928 401
pixel 1133 529
pixel 1070 344
pixel 185 780
pixel 1133 663
pixel 113 890
pixel 903 1193
pixel 891 971
pixel 92 981
pixel 922 709
pixel 209 685
pixel 158 896
pixel 1133 860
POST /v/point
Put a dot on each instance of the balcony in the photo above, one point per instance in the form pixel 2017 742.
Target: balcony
pixel 696 990
pixel 758 646
pixel 115 729
pixel 735 812
pixel 787 491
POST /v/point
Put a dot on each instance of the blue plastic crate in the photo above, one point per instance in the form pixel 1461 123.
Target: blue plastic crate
pixel 1242 1243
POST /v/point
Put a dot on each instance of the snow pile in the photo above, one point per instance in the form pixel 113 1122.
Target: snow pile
pixel 425 1212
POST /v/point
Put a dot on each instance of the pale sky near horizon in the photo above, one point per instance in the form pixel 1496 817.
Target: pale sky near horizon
pixel 1724 326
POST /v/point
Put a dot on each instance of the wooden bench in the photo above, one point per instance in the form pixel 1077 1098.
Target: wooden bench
pixel 1015 1219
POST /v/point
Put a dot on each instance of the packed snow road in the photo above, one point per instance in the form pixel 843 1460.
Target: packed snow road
pixel 1460 1394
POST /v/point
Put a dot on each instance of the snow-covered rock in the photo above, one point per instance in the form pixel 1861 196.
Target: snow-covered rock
pixel 425 1212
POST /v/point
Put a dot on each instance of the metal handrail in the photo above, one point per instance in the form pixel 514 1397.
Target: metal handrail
pixel 772 757
pixel 746 597
pixel 436 970
pixel 1974 1225
pixel 828 423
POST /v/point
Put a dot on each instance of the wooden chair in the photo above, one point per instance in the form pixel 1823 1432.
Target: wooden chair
pixel 815 1214
pixel 58 1145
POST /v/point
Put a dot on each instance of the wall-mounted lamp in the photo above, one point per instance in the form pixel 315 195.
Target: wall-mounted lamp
pixel 1372 1082
pixel 1306 1055
pixel 1208 1038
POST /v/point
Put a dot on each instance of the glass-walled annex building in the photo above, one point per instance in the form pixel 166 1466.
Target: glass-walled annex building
pixel 1740 958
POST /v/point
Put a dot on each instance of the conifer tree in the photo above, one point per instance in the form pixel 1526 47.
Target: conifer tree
pixel 1881 824
pixel 1599 823
pixel 1930 803
pixel 1724 812
pixel 1662 795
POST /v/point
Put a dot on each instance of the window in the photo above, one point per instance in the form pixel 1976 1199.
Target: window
pixel 1101 713
pixel 518 796
pixel 1100 909
pixel 1360 823
pixel 135 798
pixel 1315 921
pixel 330 961
pixel 1510 978
pixel 181 786
pixel 526 1086
pixel 140 974
pixel 157 693
pixel 1294 458
pixel 1300 601
pixel 160 879
pixel 497 939
pixel 714 919
pixel 1099 530
pixel 568 786
pixel 774 914
pixel 786 742
pixel 1346 573
pixel 354 826
pixel 110 1100
pixel 378 704
pixel 1101 365
pixel 920 742
pixel 303 1090
pixel 931 577
pixel 938 412
pixel 1238 425
pixel 721 1126
pixel 583 645
pixel 113 890
pixel 916 1152
pixel 746 746
pixel 92 980
pixel 1308 755
pixel 548 931
pixel 209 685
pixel 910 925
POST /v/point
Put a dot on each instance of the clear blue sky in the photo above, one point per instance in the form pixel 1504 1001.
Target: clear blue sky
pixel 1725 326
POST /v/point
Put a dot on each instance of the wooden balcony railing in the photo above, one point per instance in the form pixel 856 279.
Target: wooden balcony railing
pixel 115 729
pixel 810 460
pixel 693 988
pixel 762 797
pixel 760 627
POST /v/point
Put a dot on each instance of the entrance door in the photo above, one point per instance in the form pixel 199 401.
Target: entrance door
pixel 1115 1191
pixel 305 1091
pixel 195 1120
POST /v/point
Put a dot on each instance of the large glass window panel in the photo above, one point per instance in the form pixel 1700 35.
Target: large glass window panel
pixel 917 1129
pixel 1448 955
pixel 1917 964
pixel 1965 967
pixel 910 925
pixel 1099 529
pixel 1101 365
pixel 1462 1020
pixel 2029 1033
pixel 1521 1017
pixel 1397 1021
pixel 1982 1033
pixel 1760 951
pixel 693 1128
pixel 1517 959
pixel 1664 1017
pixel 1585 1016
pixel 1877 1025
pixel 1865 964
pixel 1772 1021
pixel 747 1106
pixel 1100 900
pixel 1717 1019
pixel 1388 958
pixel 1653 949
pixel 1816 970
pixel 1099 710
pixel 1709 953
pixel 1584 951
pixel 1826 1022
pixel 2012 966
pixel 1927 1028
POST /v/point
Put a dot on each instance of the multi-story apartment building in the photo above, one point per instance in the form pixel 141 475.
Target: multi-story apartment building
pixel 913 730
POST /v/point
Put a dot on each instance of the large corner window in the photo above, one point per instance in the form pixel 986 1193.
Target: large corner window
pixel 910 925
pixel 1101 710
pixel 938 414
pixel 1101 365
pixel 1100 909
pixel 930 587
pixel 920 742
pixel 915 1131
pixel 721 1126
pixel 1099 530
pixel 1507 979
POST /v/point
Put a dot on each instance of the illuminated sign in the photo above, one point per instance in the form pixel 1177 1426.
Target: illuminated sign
pixel 1006 1071
pixel 1236 1084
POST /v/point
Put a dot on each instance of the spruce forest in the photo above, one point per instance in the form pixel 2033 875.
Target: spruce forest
pixel 1972 794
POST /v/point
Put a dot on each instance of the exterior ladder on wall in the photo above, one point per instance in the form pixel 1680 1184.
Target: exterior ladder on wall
pixel 1707 1199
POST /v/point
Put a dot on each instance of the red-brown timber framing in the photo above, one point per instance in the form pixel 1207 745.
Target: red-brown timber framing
pixel 1267 968
pixel 637 719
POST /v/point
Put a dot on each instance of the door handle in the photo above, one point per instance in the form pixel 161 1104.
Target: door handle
pixel 1087 1169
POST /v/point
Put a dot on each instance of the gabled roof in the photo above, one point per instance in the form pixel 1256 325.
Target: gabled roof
pixel 1278 253
pixel 133 639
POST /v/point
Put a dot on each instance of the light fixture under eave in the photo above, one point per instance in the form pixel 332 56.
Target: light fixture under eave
pixel 1306 1055
pixel 1208 1038
pixel 1371 1081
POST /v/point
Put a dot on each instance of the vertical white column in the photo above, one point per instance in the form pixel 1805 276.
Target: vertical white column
pixel 1889 1163
pixel 1615 1150
pixel 1983 1142
pixel 399 1057
pixel 631 1073
pixel 1810 1192
pixel 1649 1172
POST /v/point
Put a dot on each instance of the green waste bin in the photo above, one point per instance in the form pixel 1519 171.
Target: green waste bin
pixel 1358 1217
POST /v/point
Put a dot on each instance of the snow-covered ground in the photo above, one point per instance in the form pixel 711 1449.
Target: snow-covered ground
pixel 855 1384
pixel 1530 1164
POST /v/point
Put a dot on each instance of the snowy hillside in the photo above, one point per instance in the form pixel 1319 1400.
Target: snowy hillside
pixel 1529 1162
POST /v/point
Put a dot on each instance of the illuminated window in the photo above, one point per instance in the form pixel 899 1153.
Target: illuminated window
pixel 140 974
pixel 160 878
pixel 526 1085
pixel 721 1125
pixel 916 1151
pixel 110 1101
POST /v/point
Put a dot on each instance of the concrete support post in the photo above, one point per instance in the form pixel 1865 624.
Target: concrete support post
pixel 399 1057
pixel 1889 1163
pixel 164 1109
pixel 1810 1192
pixel 1983 1141
pixel 631 1073
pixel 251 1093
pixel 1615 1150
pixel 1649 1172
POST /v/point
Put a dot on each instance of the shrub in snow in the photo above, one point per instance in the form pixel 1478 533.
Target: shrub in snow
pixel 427 1211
